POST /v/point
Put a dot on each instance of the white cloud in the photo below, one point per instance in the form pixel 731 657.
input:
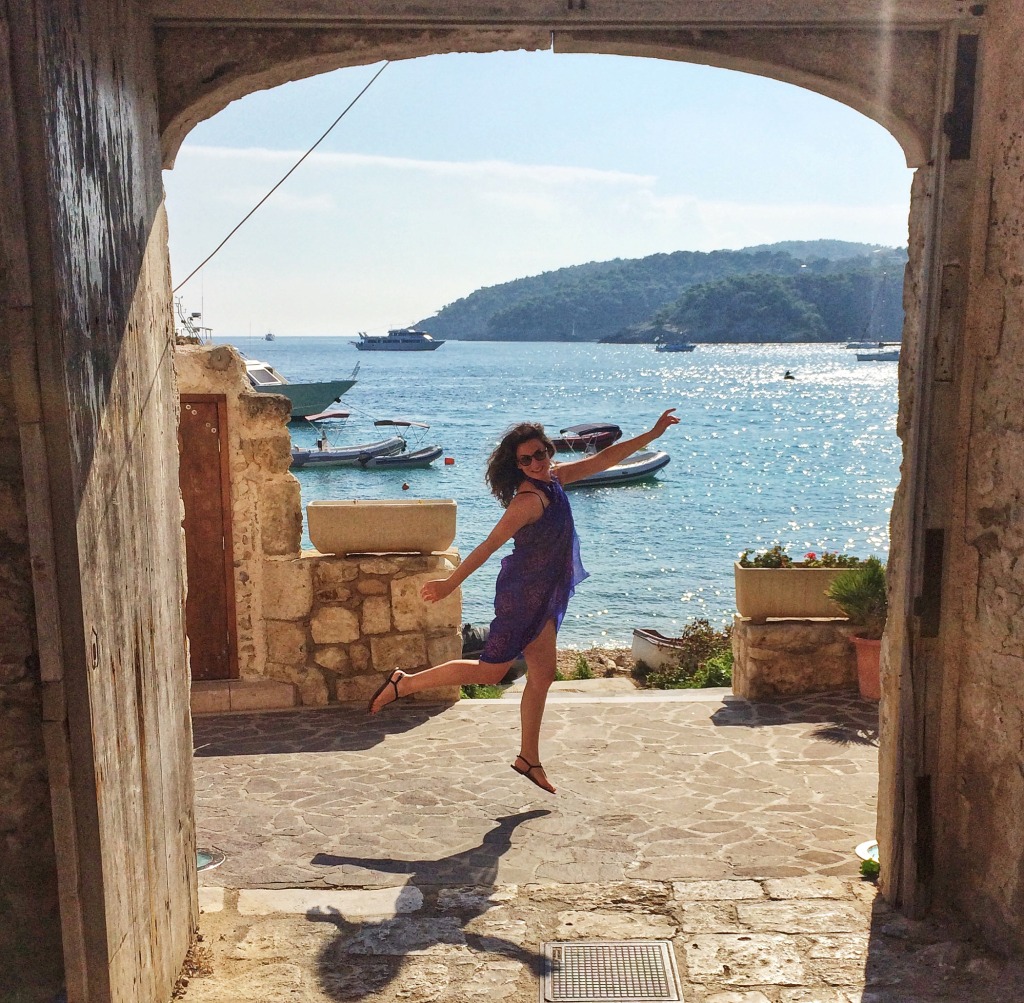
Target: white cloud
pixel 499 170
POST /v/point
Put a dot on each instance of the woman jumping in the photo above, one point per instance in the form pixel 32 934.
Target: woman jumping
pixel 535 580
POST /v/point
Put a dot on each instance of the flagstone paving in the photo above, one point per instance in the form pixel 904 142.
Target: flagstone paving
pixel 647 789
pixel 400 858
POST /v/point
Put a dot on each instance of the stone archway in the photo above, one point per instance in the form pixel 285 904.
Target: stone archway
pixel 96 93
pixel 904 72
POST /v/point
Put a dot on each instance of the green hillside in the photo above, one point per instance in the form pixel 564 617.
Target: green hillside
pixel 836 288
pixel 858 304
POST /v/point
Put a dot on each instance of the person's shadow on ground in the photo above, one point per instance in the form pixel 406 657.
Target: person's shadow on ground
pixel 366 956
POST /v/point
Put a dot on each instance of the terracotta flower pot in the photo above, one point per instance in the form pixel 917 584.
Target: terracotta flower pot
pixel 868 674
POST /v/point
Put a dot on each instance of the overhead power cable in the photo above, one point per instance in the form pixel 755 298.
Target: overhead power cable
pixel 291 171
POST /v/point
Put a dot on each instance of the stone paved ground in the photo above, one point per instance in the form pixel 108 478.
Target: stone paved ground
pixel 399 858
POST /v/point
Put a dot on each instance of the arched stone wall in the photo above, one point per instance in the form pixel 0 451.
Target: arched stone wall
pixel 903 67
pixel 88 91
pixel 888 75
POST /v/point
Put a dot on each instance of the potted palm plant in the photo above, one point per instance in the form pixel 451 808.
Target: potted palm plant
pixel 860 593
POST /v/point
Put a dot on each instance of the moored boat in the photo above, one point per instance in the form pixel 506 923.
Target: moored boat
pixel 402 461
pixel 324 455
pixel 675 346
pixel 892 355
pixel 422 456
pixel 307 398
pixel 592 435
pixel 402 339
pixel 655 650
pixel 638 467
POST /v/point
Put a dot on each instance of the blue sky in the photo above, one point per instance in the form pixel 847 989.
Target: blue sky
pixel 458 171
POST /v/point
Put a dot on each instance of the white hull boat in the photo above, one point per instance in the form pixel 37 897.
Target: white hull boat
pixel 406 339
pixel 638 467
pixel 655 650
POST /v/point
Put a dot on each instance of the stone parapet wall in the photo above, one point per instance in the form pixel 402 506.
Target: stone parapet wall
pixel 336 625
pixel 788 657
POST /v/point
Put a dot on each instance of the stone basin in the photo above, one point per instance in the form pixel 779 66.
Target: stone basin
pixel 401 526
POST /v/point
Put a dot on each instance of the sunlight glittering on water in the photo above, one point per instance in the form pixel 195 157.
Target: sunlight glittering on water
pixel 812 463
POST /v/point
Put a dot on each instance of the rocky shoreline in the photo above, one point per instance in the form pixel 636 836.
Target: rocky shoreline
pixel 604 662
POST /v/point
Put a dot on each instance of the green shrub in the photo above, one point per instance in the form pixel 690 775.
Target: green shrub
pixel 480 691
pixel 582 669
pixel 869 869
pixel 716 671
pixel 705 659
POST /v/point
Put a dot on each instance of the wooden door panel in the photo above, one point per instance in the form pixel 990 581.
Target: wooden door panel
pixel 203 477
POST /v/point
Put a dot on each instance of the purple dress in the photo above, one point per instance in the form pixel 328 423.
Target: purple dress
pixel 536 579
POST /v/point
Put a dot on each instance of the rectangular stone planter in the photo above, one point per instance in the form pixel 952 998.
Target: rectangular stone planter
pixel 419 526
pixel 795 593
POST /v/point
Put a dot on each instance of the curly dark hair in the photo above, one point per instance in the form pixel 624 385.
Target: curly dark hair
pixel 504 475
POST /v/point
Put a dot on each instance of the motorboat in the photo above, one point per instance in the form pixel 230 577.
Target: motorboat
pixel 675 346
pixel 888 355
pixel 638 467
pixel 385 454
pixel 655 650
pixel 402 339
pixel 592 435
pixel 422 456
pixel 323 454
pixel 402 461
pixel 307 398
pixel 269 336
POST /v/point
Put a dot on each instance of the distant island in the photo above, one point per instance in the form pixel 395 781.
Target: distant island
pixel 792 291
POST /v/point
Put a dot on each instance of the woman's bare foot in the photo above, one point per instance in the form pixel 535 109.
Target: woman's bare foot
pixel 533 772
pixel 388 692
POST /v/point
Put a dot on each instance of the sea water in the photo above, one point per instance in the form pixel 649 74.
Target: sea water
pixel 811 463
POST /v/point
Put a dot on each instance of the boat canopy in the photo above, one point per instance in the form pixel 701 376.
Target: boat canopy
pixel 399 423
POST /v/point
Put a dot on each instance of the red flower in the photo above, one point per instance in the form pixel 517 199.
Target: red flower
pixel 811 556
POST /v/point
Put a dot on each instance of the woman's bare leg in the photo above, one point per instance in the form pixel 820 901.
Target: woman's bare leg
pixel 459 671
pixel 540 674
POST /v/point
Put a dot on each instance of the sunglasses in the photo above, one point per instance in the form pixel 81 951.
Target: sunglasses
pixel 537 456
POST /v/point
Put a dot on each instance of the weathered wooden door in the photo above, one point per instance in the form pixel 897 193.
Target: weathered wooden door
pixel 203 474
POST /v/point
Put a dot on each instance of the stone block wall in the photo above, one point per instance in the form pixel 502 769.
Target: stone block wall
pixel 336 625
pixel 980 860
pixel 787 657
pixel 330 626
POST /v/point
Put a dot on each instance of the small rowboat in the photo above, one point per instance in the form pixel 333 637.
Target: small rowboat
pixel 638 467
pixel 592 435
pixel 655 650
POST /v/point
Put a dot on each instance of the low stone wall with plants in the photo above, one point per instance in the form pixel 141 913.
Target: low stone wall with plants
pixel 335 626
pixel 789 657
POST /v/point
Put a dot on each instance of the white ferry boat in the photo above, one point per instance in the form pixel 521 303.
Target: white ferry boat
pixel 403 339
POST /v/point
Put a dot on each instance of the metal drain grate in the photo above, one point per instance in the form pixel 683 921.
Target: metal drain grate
pixel 610 970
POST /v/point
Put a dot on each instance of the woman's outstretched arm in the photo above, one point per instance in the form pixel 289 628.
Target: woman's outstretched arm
pixel 525 508
pixel 575 470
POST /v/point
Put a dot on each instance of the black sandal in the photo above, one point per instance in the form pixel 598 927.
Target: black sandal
pixel 527 773
pixel 390 681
